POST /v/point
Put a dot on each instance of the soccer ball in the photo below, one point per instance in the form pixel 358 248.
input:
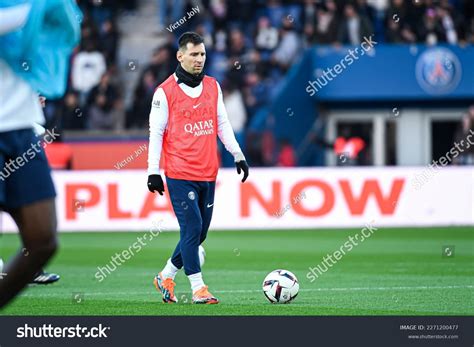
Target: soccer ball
pixel 202 255
pixel 280 286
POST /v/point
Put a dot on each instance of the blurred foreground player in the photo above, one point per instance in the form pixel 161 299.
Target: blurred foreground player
pixel 42 277
pixel 36 39
pixel 187 114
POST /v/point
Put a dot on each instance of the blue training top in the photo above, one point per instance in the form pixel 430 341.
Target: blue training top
pixel 39 51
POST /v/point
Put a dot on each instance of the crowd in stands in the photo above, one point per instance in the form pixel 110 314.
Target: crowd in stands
pixel 250 46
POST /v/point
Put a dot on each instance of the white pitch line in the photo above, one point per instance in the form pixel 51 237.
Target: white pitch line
pixel 259 290
pixel 353 289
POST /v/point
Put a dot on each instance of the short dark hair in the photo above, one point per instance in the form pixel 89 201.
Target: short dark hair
pixel 188 37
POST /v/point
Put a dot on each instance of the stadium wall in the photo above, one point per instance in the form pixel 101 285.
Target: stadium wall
pixel 273 199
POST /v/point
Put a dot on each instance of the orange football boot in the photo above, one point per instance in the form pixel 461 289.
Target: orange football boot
pixel 166 287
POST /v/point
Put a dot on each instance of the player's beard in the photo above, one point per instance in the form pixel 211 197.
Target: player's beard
pixel 188 78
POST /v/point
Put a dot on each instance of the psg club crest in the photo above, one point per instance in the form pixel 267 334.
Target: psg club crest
pixel 438 71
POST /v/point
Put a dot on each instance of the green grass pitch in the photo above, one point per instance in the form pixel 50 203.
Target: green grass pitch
pixel 394 272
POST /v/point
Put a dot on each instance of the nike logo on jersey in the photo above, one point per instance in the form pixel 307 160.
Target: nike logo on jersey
pixel 210 205
pixel 196 106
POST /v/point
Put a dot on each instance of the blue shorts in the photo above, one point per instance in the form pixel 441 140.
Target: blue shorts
pixel 193 202
pixel 25 175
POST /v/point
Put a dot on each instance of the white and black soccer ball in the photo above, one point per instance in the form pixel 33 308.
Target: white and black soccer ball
pixel 280 286
pixel 202 255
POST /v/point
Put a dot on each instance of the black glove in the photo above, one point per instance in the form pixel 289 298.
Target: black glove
pixel 242 165
pixel 155 183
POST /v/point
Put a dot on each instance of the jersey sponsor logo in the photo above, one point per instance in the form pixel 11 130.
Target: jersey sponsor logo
pixel 200 128
pixel 198 111
pixel 156 103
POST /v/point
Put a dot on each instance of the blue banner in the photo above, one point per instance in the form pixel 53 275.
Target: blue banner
pixel 373 72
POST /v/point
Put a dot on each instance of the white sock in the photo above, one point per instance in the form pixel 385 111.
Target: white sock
pixel 196 281
pixel 169 271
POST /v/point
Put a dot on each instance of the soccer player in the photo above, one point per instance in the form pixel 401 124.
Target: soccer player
pixel 42 277
pixel 36 39
pixel 187 114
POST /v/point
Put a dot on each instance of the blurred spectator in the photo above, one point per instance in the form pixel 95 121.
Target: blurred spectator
pixel 106 110
pixel 466 128
pixel 237 115
pixel 366 10
pixel 218 66
pixel 137 117
pixel 236 109
pixel 268 148
pixel 354 27
pixel 327 24
pixel 236 52
pixel 118 114
pixel 450 23
pixel 241 13
pixel 286 157
pixel 218 10
pixel 73 117
pixel 128 5
pixel 220 41
pixel 309 21
pixel 289 46
pixel 253 153
pixel 109 41
pixel 89 33
pixel 398 28
pixel 266 38
pixel 468 11
pixel 202 29
pixel 257 92
pixel 430 30
pixel 322 26
pixel 394 33
pixel 415 12
pixel 275 12
pixel 162 64
pixel 106 88
pixel 99 10
pixel 100 116
pixel 380 5
pixel 169 12
pixel 236 43
pixel 87 68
